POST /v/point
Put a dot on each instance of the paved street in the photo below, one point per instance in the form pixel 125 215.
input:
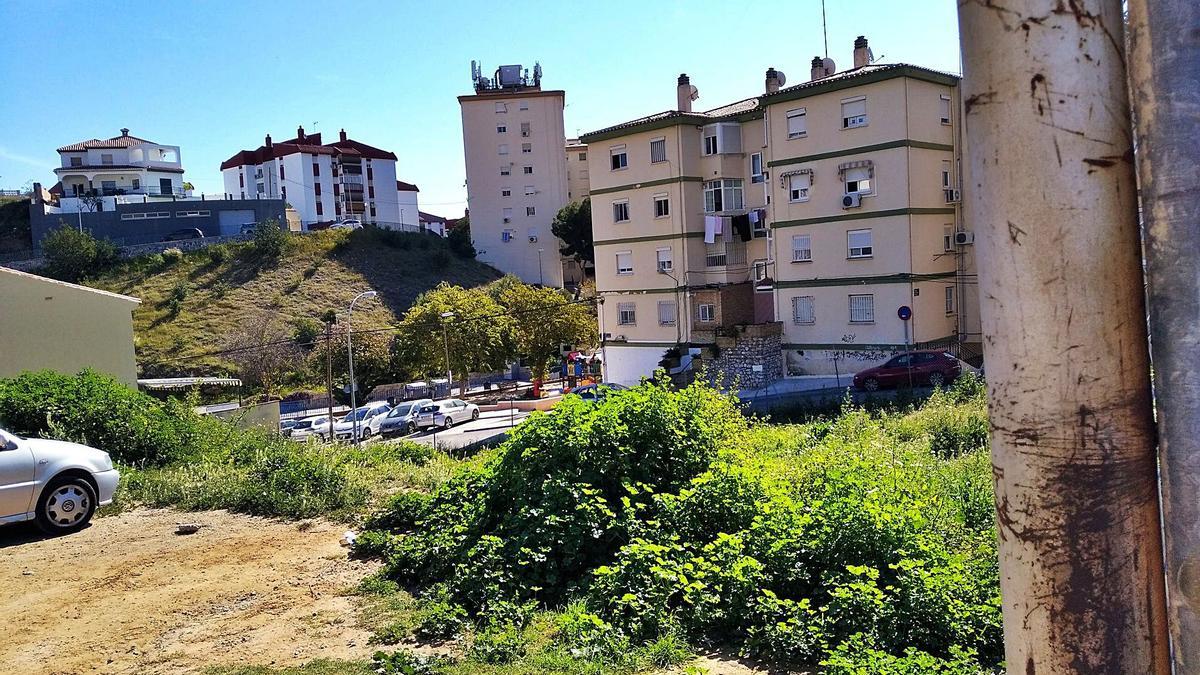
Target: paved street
pixel 489 426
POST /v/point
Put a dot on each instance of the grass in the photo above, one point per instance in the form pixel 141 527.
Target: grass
pixel 319 272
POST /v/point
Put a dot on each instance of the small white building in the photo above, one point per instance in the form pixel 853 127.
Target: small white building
pixel 118 166
pixel 323 182
pixel 410 213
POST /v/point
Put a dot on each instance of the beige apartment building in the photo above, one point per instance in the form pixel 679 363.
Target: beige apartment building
pixel 513 143
pixel 577 170
pixel 851 182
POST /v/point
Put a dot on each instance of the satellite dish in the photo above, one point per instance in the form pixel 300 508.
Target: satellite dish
pixel 828 65
pixel 695 93
pixel 781 77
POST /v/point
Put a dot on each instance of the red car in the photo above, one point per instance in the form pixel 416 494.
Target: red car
pixel 930 367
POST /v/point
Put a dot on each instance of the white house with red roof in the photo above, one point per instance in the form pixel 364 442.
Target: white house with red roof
pixel 121 165
pixel 323 182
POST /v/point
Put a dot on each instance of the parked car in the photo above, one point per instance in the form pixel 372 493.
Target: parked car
pixel 595 392
pixel 447 413
pixel 286 426
pixel 347 224
pixel 311 427
pixel 930 367
pixel 185 234
pixel 58 484
pixel 366 418
pixel 403 418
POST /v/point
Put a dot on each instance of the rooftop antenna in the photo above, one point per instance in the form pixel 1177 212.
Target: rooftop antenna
pixel 824 29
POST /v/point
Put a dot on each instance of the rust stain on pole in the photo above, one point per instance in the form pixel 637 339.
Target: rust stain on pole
pixel 1052 196
pixel 1164 64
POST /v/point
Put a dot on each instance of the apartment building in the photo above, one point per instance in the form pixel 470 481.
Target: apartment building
pixel 513 144
pixel 577 170
pixel 850 184
pixel 324 182
pixel 121 165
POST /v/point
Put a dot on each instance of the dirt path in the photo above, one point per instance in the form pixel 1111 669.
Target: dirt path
pixel 128 595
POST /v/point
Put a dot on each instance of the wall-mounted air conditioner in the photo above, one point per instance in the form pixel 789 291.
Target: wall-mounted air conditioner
pixel 533 238
pixel 964 238
pixel 851 201
pixel 952 196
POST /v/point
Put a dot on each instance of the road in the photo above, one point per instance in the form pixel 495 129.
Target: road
pixel 490 426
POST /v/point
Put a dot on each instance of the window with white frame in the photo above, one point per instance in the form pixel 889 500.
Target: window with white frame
pixel 625 262
pixel 507 235
pixel 947 238
pixel 667 312
pixel 949 299
pixel 524 105
pixel 947 180
pixel 508 212
pixel 658 150
pixel 756 168
pixel 501 107
pixel 799 185
pixel 854 112
pixel 525 129
pixel 506 192
pixel 192 214
pixel 530 190
pixel 500 129
pixel 858 244
pixel 858 180
pixel 862 308
pixel 724 138
pixel 723 195
pixel 801 248
pixel 505 169
pixel 527 170
pixel 944 109
pixel 530 211
pixel 803 311
pixel 662 206
pixel 797 123
pixel 106 159
pixel 583 156
pixel 621 211
pixel 710 140
pixel 626 313
pixel 663 257
pixel 706 312
pixel 503 148
pixel 618 157
pixel 526 148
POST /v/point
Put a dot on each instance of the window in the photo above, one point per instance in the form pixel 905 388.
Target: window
pixel 501 128
pixel 316 169
pixel 658 150
pixel 501 107
pixel 756 168
pixel 109 187
pixel 527 170
pixel 949 299
pixel 944 109
pixel 798 187
pixel 707 312
pixel 583 156
pixel 723 195
pixel 854 112
pixel 618 157
pixel 621 211
pixel 154 215
pixel 710 141
pixel 508 212
pixel 106 159
pixel 797 123
pixel 76 161
pixel 524 105
pixel 281 172
pixel 507 235
pixel 946 175
pixel 283 191
pixel 858 243
pixel 662 206
pixel 625 262
pixel 370 192
pixel 862 308
pixel 529 190
pixel 320 208
pixel 626 313
pixel 530 210
pixel 506 192
pixel 858 179
pixel 525 129
pixel 947 238
pixel 724 138
pixel 667 312
pixel 801 248
pixel 503 148
pixel 663 257
pixel 802 310
pixel 317 189
pixel 505 170
pixel 372 209
pixel 370 173
pixel 526 148
pixel 241 180
pixel 714 254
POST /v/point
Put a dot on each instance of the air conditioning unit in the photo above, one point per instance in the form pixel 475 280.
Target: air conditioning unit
pixel 533 238
pixel 964 238
pixel 952 196
pixel 524 134
pixel 851 201
pixel 508 220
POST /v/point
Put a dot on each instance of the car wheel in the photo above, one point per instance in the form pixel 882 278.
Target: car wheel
pixel 366 433
pixel 474 414
pixel 448 423
pixel 66 505
pixel 871 384
pixel 936 379
pixel 411 428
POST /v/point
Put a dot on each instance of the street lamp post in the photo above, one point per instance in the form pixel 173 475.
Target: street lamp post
pixel 446 346
pixel 350 358
pixel 541 281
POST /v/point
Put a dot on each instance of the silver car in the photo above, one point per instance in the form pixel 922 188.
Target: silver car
pixel 447 413
pixel 58 484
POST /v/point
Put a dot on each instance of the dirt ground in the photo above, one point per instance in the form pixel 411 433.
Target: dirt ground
pixel 128 595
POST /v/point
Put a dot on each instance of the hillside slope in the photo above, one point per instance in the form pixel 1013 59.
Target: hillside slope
pixel 320 271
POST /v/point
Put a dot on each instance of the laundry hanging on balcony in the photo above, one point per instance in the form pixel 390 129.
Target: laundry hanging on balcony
pixel 712 225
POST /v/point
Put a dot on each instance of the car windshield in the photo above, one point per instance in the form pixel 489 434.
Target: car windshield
pixel 304 425
pixel 429 409
pixel 357 414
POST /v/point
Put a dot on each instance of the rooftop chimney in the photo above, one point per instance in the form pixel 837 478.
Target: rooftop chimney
pixel 684 94
pixel 125 132
pixel 268 140
pixel 342 135
pixel 862 55
pixel 772 80
pixel 818 68
pixel 300 134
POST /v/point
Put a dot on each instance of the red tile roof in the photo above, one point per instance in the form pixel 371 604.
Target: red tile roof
pixel 122 141
pixel 406 187
pixel 311 144
pixel 430 218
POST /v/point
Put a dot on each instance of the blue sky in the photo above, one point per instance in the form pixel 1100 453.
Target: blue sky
pixel 214 78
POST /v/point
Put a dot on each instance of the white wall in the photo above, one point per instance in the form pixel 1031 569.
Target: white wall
pixel 383 178
pixel 409 210
pixel 627 364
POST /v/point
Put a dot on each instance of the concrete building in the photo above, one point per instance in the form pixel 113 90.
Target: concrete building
pixel 780 235
pixel 323 182
pixel 118 166
pixel 577 170
pixel 50 324
pixel 513 143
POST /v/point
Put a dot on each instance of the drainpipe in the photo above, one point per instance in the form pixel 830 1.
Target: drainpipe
pixel 1163 63
pixel 1053 200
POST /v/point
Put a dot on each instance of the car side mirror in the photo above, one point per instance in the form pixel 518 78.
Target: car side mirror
pixel 8 442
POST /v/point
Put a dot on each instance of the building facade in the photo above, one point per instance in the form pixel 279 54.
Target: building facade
pixel 850 185
pixel 323 182
pixel 121 165
pixel 513 144
pixel 577 170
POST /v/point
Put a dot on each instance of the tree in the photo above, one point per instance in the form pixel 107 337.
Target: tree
pixel 573 226
pixel 270 240
pixel 72 255
pixel 459 239
pixel 478 334
pixel 544 319
pixel 92 200
pixel 373 360
pixel 263 351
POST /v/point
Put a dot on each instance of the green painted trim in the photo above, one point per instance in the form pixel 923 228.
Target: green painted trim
pixel 809 90
pixel 902 143
pixel 661 345
pixel 902 278
pixel 862 215
pixel 646 184
pixel 640 291
pixel 685 120
pixel 656 237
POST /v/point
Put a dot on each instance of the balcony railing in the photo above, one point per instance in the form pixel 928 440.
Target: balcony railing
pixel 146 190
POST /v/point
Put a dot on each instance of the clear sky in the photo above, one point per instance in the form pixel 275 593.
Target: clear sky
pixel 215 77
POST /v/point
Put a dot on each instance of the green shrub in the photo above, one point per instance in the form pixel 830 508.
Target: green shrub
pixel 400 513
pixel 171 256
pixel 218 253
pixel 270 240
pixel 440 617
pixel 408 663
pixel 72 254
pixel 306 332
pixel 498 644
pixel 858 656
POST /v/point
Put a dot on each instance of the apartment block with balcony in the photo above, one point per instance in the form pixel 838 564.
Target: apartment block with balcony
pixel 121 166
pixel 514 149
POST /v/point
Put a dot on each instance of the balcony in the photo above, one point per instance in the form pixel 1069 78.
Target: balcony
pixel 145 190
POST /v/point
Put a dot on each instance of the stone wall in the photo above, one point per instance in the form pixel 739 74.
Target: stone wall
pixel 751 357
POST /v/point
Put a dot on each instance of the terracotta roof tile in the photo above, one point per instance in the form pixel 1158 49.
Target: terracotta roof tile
pixel 123 141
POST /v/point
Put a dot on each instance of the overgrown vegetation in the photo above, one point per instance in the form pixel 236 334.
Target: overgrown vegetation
pixel 72 254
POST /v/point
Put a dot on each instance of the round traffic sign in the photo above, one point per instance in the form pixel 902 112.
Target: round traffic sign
pixel 905 312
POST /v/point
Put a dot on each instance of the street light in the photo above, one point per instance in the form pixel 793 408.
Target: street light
pixel 350 355
pixel 446 346
pixel 541 281
pixel 678 319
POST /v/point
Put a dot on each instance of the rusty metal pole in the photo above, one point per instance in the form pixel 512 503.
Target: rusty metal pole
pixel 1164 68
pixel 1052 197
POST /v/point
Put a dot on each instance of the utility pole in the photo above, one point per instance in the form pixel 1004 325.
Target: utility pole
pixel 350 359
pixel 446 345
pixel 329 372
pixel 1051 194
pixel 1164 64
